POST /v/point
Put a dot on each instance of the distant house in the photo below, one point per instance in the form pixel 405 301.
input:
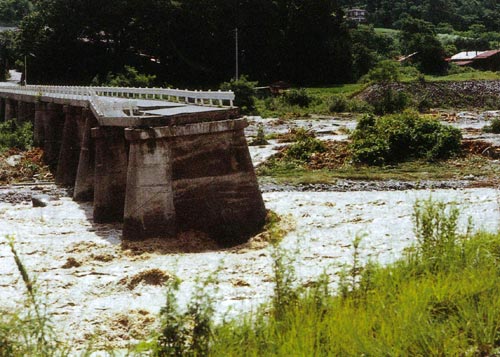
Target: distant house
pixel 357 15
pixel 485 60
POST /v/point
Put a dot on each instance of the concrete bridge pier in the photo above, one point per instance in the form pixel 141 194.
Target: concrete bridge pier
pixel 39 125
pixel 10 109
pixel 199 176
pixel 110 176
pixel 84 183
pixel 149 203
pixel 25 111
pixel 2 109
pixel 69 154
pixel 53 127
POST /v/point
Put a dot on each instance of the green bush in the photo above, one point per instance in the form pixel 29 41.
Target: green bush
pixel 392 101
pixel 409 73
pixel 435 226
pixel 244 92
pixel 385 72
pixel 260 139
pixel 402 137
pixel 14 134
pixel 297 97
pixel 305 145
pixel 424 105
pixel 130 77
pixel 340 103
pixel 494 127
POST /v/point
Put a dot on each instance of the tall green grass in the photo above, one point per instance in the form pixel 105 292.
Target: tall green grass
pixel 442 298
pixel 28 331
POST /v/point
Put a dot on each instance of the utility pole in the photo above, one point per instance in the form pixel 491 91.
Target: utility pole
pixel 25 71
pixel 236 52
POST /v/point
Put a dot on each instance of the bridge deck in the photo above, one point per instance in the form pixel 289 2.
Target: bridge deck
pixel 134 107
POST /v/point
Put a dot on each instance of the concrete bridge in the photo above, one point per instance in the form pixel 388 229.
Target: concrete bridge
pixel 160 160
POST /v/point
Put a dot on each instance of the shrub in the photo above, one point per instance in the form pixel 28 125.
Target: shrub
pixel 244 92
pixel 260 139
pixel 130 77
pixel 436 232
pixel 14 134
pixel 392 101
pixel 187 333
pixel 297 97
pixel 385 72
pixel 494 127
pixel 305 145
pixel 340 103
pixel 402 137
pixel 410 72
pixel 424 105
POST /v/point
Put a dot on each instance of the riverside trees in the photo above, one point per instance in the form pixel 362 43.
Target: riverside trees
pixel 190 41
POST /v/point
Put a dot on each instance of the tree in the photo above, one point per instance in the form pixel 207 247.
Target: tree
pixel 368 48
pixel 385 72
pixel 188 41
pixel 419 36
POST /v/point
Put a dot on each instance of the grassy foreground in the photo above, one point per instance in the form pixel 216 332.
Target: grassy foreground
pixel 442 298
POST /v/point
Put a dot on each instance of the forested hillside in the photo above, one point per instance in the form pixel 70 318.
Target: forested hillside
pixel 460 14
pixel 13 11
pixel 189 40
pixel 193 42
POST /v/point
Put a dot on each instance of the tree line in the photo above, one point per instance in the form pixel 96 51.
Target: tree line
pixel 459 14
pixel 188 41
pixel 192 42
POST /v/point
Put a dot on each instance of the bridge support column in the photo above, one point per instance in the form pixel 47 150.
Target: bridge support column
pixel 53 127
pixel 84 185
pixel 39 127
pixel 149 202
pixel 69 154
pixel 110 177
pixel 24 112
pixel 2 109
pixel 213 183
pixel 10 109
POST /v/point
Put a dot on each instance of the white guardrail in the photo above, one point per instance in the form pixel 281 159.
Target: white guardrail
pixel 105 108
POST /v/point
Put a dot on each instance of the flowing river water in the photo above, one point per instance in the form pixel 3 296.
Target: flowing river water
pixel 89 281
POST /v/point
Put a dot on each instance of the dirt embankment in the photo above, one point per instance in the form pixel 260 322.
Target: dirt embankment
pixel 463 94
